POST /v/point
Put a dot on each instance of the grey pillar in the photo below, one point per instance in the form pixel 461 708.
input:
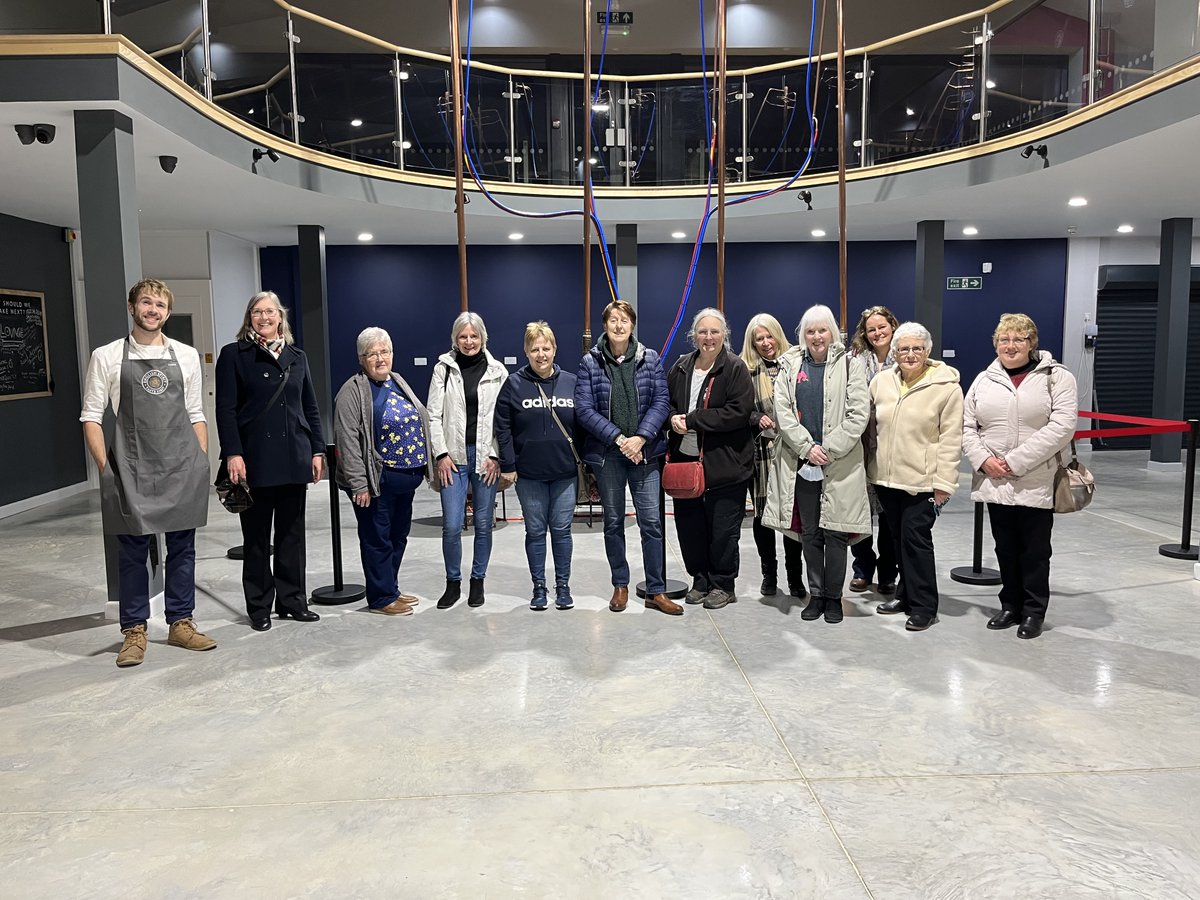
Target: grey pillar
pixel 931 279
pixel 112 258
pixel 626 264
pixel 1171 338
pixel 314 312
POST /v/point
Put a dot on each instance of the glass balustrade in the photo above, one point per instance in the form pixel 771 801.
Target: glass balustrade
pixel 1021 65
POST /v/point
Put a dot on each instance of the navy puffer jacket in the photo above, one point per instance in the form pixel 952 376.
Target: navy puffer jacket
pixel 593 404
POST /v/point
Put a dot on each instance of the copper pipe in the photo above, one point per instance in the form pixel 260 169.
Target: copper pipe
pixel 722 66
pixel 841 108
pixel 457 104
pixel 587 175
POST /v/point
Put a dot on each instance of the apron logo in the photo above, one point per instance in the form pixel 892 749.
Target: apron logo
pixel 155 382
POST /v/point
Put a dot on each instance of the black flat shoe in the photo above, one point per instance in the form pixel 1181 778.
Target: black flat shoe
pixel 892 607
pixel 1030 628
pixel 264 625
pixel 301 615
pixel 1006 618
pixel 920 621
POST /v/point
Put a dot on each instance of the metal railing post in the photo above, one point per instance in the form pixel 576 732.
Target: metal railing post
pixel 746 127
pixel 106 11
pixel 398 143
pixel 863 140
pixel 206 75
pixel 293 40
pixel 1184 549
pixel 985 54
pixel 1093 25
pixel 512 132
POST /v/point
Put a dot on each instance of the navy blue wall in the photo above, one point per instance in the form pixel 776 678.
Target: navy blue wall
pixel 413 292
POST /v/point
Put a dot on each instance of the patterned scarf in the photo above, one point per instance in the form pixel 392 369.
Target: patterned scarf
pixel 274 347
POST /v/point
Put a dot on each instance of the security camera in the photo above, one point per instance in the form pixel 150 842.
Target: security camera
pixel 44 133
pixel 259 153
pixel 24 133
pixel 168 163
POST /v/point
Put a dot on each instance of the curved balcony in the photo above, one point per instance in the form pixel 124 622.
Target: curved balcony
pixel 1011 68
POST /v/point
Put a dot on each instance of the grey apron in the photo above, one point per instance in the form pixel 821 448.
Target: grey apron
pixel 156 479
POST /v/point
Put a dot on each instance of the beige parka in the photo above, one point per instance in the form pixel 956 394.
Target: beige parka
pixel 844 504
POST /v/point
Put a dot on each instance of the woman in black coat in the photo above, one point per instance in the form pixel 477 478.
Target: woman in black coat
pixel 711 396
pixel 270 434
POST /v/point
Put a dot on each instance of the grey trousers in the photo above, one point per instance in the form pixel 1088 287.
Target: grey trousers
pixel 824 551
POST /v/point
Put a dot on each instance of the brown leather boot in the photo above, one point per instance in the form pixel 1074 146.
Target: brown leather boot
pixel 664 604
pixel 620 598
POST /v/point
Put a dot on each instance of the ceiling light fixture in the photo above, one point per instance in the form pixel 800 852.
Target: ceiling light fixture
pixel 806 196
pixel 357 123
pixel 818 232
pixel 970 231
pixel 1124 229
pixel 1041 150
pixel 257 154
pixel 679 235
pixel 516 236
pixel 909 111
pixel 991 85
pixel 1077 201
pixel 366 236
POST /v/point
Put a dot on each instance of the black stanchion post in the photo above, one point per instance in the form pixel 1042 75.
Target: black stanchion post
pixel 976 574
pixel 675 589
pixel 1184 549
pixel 338 592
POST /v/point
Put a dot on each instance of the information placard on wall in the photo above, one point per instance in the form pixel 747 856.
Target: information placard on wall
pixel 24 351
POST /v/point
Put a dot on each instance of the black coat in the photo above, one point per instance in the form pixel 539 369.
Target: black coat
pixel 724 426
pixel 279 445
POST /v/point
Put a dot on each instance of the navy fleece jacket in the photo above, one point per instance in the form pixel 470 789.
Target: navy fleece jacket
pixel 530 443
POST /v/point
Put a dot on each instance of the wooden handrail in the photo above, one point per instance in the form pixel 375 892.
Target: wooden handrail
pixel 265 86
pixel 183 45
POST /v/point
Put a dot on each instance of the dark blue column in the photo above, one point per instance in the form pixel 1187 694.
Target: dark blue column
pixel 931 279
pixel 1170 344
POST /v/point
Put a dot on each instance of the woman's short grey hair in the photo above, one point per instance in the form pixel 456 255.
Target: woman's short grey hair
pixel 713 312
pixel 369 337
pixel 913 329
pixel 818 315
pixel 463 320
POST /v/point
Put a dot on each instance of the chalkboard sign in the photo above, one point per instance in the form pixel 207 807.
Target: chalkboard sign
pixel 24 353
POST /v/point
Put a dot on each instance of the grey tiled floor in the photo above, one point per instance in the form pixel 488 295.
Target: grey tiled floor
pixel 499 753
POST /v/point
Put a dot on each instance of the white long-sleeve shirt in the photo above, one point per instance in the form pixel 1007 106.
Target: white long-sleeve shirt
pixel 102 385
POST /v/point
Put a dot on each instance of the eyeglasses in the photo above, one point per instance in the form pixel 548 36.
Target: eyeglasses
pixel 909 351
pixel 379 354
pixel 1014 341
pixel 263 313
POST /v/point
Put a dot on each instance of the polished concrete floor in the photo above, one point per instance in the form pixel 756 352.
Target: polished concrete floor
pixel 499 752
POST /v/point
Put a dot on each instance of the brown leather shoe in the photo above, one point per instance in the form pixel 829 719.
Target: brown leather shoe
pixel 620 598
pixel 395 608
pixel 664 604
pixel 408 599
pixel 858 585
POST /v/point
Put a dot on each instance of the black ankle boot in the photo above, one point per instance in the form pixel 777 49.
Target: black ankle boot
pixel 814 610
pixel 453 592
pixel 475 595
pixel 833 610
pixel 770 584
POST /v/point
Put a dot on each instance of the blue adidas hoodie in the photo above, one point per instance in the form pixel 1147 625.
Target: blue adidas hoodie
pixel 530 443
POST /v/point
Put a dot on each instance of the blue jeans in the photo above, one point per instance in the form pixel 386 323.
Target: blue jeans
pixel 383 529
pixel 179 591
pixel 548 504
pixel 454 513
pixel 643 481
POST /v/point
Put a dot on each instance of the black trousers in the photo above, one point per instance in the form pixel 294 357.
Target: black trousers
pixel 1022 536
pixel 709 528
pixel 868 562
pixel 824 551
pixel 281 584
pixel 910 519
pixel 793 554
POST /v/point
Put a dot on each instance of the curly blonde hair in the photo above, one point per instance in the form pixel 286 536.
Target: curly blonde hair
pixel 1017 324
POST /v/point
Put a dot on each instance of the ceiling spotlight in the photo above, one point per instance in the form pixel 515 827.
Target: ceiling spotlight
pixel 679 235
pixel 991 85
pixel 599 107
pixel 250 111
pixel 357 123
pixel 1077 201
pixel 970 231
pixel 404 73
pixel 591 161
pixel 909 111
pixel 1124 229
pixel 406 145
pixel 516 236
pixel 806 196
pixel 366 236
pixel 818 232
pixel 259 153
pixel 1041 150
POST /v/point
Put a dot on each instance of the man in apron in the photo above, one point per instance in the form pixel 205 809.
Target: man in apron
pixel 154 478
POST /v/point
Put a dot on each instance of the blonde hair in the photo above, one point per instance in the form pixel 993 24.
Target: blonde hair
pixel 539 329
pixel 285 330
pixel 1016 323
pixel 155 287
pixel 752 358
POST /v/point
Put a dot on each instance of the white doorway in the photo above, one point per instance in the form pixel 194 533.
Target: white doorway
pixel 192 323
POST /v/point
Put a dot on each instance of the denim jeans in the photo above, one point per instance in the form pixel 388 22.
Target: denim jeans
pixel 454 512
pixel 383 529
pixel 548 505
pixel 643 481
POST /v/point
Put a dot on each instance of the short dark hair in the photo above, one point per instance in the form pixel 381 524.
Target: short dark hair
pixel 619 306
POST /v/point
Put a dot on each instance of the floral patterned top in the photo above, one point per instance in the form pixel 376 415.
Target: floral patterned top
pixel 399 437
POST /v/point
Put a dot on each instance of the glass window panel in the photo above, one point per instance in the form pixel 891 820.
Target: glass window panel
pixel 167 25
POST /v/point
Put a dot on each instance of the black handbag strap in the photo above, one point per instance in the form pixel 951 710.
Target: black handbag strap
pixel 558 422
pixel 287 373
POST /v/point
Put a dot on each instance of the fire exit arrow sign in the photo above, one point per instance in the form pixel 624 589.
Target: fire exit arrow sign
pixel 614 18
pixel 964 283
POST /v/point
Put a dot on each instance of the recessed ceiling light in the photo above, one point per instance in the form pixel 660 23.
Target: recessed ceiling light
pixel 404 74
pixel 366 236
pixel 970 230
pixel 909 111
pixel 991 85
pixel 250 111
pixel 1077 201
pixel 679 235
pixel 1124 229
pixel 356 122
pixel 406 145
pixel 516 236
pixel 591 160
pixel 599 107
pixel 818 232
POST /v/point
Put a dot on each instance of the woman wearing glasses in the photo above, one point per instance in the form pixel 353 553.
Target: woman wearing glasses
pixel 918 413
pixel 872 347
pixel 1018 415
pixel 383 457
